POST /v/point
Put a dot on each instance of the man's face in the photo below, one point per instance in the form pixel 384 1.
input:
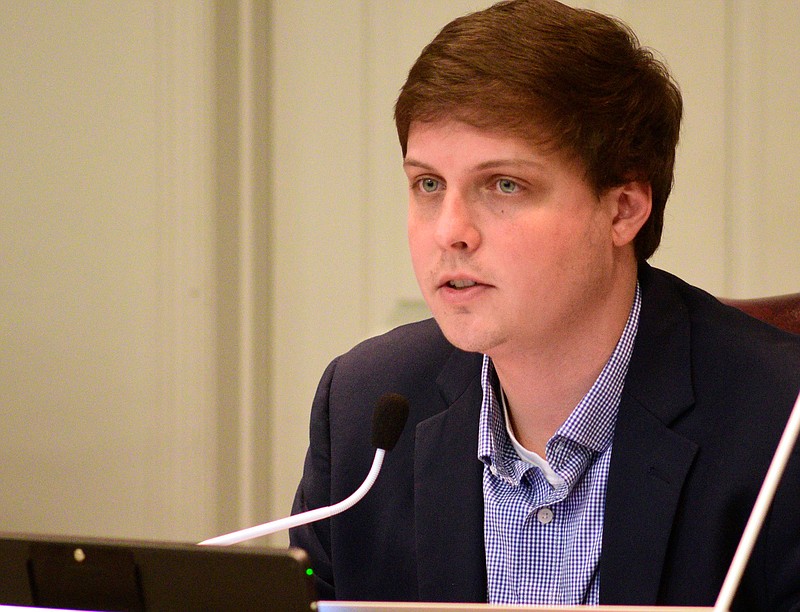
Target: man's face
pixel 512 249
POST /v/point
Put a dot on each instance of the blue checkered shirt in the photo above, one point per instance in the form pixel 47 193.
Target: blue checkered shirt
pixel 543 528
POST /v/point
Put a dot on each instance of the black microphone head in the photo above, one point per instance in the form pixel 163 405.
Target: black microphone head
pixel 388 420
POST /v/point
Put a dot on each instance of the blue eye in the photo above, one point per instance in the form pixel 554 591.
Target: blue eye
pixel 507 186
pixel 429 185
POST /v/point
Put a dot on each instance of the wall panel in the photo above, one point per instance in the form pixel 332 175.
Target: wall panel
pixel 106 357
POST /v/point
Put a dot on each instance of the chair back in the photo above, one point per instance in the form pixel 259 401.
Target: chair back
pixel 782 311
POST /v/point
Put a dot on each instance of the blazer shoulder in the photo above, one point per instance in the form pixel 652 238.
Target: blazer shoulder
pixel 720 329
pixel 414 360
pixel 693 350
pixel 411 348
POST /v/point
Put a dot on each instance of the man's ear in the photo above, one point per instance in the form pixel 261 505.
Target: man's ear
pixel 632 202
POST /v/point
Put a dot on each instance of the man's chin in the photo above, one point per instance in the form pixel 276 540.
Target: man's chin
pixel 467 337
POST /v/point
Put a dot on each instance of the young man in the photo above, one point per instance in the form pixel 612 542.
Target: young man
pixel 583 428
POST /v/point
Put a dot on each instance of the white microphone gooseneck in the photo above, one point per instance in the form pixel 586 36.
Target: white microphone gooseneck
pixel 760 510
pixel 304 517
pixel 388 421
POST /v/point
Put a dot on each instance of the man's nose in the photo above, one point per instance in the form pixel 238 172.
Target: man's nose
pixel 456 225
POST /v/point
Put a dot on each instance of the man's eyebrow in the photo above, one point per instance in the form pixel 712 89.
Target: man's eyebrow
pixel 488 164
pixel 516 162
pixel 411 162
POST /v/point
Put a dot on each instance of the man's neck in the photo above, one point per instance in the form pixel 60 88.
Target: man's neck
pixel 545 383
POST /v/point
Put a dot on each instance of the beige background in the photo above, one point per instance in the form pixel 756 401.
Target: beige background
pixel 202 204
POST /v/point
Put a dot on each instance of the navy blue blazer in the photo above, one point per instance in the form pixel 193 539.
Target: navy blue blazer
pixel 706 398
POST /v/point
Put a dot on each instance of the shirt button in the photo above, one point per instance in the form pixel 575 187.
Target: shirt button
pixel 544 515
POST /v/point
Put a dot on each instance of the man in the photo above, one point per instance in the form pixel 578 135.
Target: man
pixel 583 428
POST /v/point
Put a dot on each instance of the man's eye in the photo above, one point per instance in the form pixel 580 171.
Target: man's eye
pixel 507 186
pixel 429 185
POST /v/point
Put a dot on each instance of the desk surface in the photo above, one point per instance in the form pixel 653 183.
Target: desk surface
pixel 376 606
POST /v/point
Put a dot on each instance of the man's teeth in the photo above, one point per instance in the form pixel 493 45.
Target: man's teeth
pixel 461 284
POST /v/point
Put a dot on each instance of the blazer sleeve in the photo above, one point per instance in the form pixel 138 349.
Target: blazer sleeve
pixel 314 490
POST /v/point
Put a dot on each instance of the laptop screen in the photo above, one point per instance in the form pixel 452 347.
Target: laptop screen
pixel 103 574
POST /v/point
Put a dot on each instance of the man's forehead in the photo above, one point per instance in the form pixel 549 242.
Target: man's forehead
pixel 483 147
pixel 422 131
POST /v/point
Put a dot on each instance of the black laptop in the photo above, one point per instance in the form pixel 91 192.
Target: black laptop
pixel 104 574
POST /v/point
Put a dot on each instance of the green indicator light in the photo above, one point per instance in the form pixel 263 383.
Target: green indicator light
pixel 310 572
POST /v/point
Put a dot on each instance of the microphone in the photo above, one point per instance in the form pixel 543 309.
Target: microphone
pixel 388 420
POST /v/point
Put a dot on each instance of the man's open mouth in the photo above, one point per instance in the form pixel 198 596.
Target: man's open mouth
pixel 461 284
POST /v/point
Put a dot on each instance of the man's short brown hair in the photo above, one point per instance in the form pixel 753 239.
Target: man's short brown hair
pixel 571 79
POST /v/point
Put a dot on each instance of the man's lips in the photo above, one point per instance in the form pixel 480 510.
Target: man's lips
pixel 459 283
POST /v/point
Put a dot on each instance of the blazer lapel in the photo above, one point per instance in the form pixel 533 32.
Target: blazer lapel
pixel 649 461
pixel 448 491
pixel 649 464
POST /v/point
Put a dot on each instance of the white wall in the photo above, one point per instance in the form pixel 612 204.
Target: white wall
pixel 106 290
pixel 203 204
